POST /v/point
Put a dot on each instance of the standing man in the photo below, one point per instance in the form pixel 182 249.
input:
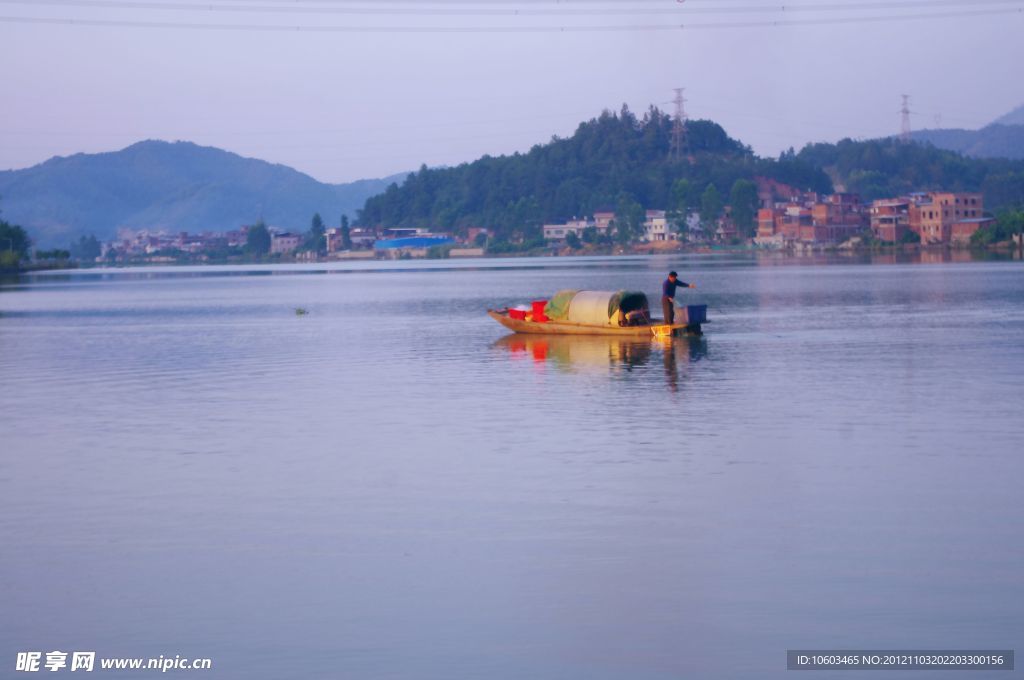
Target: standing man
pixel 668 295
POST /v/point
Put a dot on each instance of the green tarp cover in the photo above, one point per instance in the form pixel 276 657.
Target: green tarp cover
pixel 558 305
pixel 627 301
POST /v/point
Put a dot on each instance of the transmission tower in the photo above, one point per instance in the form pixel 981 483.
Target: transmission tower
pixel 905 120
pixel 678 148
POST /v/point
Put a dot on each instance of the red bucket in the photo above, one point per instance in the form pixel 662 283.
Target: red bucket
pixel 538 310
pixel 517 314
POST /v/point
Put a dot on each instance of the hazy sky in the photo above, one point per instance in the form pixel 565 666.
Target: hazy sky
pixel 343 105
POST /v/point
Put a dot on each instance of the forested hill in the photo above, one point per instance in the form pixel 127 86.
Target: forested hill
pixel 608 159
pixel 617 158
pixel 887 167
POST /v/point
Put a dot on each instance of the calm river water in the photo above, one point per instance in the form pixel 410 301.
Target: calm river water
pixel 388 487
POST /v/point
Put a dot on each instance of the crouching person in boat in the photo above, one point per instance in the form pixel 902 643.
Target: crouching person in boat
pixel 668 295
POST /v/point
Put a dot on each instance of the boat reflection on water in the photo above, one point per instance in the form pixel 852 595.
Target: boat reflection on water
pixel 579 352
pixel 597 353
pixel 679 355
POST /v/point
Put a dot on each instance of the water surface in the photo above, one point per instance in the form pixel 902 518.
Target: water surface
pixel 390 487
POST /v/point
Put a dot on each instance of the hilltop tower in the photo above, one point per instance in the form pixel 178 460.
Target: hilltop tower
pixel 677 150
pixel 905 120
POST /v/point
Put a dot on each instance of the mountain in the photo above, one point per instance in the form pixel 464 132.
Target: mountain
pixel 998 140
pixel 611 160
pixel 1015 117
pixel 1002 138
pixel 176 186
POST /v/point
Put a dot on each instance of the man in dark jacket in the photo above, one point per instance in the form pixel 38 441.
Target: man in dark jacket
pixel 668 295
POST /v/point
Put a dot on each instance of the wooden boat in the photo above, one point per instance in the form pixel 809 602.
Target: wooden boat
pixel 656 328
pixel 616 313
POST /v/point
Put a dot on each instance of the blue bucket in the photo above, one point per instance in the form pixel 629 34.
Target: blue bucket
pixel 696 314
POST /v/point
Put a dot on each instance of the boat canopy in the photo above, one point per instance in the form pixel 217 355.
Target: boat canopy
pixel 594 307
pixel 558 306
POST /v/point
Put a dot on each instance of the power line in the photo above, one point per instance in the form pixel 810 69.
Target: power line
pixel 561 115
pixel 188 25
pixel 677 10
pixel 679 4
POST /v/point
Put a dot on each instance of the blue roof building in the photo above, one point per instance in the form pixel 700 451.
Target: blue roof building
pixel 412 242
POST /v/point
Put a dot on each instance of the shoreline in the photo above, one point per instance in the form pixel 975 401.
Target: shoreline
pixel 876 255
pixel 1004 248
pixel 41 267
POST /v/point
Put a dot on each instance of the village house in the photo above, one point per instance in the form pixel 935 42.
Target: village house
pixel 726 230
pixel 838 218
pixel 558 232
pixel 284 242
pixel 947 217
pixel 890 219
pixel 361 239
pixel 603 220
pixel 936 217
pixel 781 224
pixel 333 240
pixel 811 220
pixel 362 244
pixel 657 227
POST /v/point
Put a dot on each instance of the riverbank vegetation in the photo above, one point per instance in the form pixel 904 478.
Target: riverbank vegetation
pixel 1008 224
pixel 14 246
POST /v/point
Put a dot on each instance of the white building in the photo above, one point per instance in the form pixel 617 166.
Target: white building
pixel 657 228
pixel 558 232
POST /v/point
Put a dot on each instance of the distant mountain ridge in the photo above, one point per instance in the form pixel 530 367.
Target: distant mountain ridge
pixel 1002 138
pixel 177 186
pixel 992 141
pixel 1015 117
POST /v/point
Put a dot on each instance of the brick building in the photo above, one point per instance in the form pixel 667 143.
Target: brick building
pixel 936 217
pixel 284 242
pixel 811 220
pixel 890 219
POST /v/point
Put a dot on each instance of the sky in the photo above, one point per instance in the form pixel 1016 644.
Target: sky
pixel 344 90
